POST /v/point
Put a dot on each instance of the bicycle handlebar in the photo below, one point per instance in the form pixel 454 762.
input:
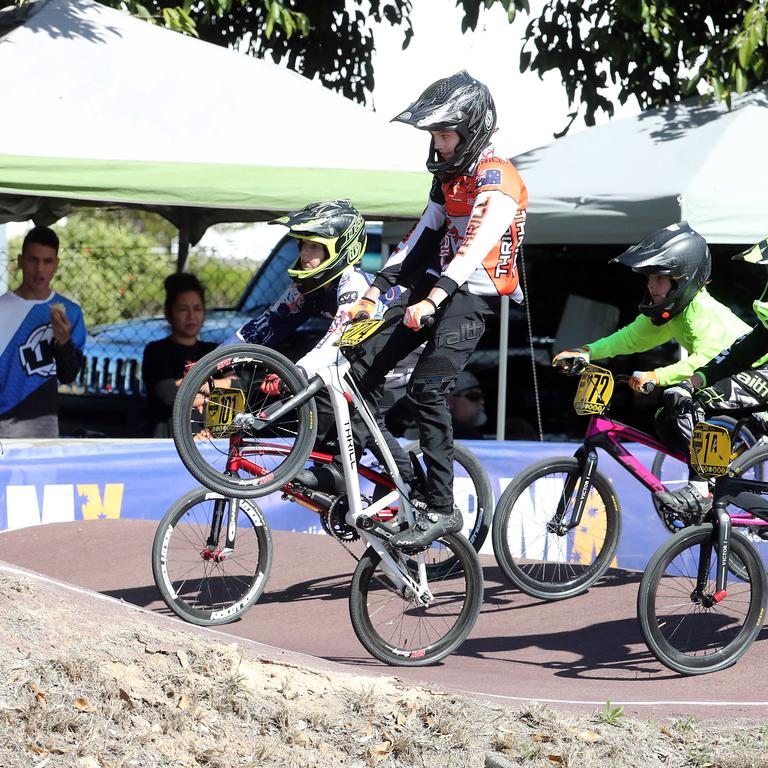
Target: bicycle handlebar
pixel 575 366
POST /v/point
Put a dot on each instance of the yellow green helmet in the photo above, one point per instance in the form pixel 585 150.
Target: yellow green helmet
pixel 335 224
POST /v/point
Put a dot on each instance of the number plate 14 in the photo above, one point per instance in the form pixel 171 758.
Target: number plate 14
pixel 710 449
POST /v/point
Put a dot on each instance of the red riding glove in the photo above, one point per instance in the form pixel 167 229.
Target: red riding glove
pixel 271 384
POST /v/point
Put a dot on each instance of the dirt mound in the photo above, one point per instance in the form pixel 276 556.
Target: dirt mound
pixel 92 682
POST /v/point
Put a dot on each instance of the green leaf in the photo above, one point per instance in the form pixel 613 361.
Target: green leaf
pixel 717 87
pixel 745 53
pixel 525 60
pixel 741 81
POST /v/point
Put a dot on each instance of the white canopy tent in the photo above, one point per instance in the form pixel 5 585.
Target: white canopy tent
pixel 618 182
pixel 100 107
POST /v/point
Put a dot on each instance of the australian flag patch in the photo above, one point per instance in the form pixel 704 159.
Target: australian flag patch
pixel 489 176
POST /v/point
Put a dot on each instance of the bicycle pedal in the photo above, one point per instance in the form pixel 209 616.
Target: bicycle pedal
pixel 386 515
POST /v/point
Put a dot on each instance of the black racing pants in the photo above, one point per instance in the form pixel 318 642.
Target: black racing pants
pixel 460 322
pixel 745 389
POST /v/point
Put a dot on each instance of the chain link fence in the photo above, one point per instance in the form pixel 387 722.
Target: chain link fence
pixel 121 294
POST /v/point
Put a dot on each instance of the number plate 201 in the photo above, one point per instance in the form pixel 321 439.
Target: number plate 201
pixel 594 392
pixel 710 449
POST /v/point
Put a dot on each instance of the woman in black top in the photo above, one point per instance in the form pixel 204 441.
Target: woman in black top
pixel 165 361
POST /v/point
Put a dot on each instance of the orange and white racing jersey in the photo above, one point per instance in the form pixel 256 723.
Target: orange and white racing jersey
pixel 470 233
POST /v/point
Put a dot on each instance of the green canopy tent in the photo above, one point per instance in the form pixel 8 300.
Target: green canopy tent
pixel 101 108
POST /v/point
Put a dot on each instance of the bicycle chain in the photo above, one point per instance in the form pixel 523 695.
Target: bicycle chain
pixel 327 524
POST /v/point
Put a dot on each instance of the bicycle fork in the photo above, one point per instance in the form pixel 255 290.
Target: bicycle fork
pixel 720 540
pixel 211 550
pixel 587 459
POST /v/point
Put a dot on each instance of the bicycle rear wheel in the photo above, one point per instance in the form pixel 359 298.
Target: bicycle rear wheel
pixel 200 580
pixel 688 631
pixel 751 465
pixel 545 559
pixel 394 628
pixel 219 429
pixel 472 494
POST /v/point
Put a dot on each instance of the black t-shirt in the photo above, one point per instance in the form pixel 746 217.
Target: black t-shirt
pixel 164 362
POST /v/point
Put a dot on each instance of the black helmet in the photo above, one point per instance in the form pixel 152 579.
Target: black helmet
pixel 756 254
pixel 678 252
pixel 339 227
pixel 456 103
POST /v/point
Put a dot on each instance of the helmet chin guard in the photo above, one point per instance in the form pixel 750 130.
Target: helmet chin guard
pixel 681 254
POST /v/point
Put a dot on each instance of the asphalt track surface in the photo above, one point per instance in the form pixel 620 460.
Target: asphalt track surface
pixel 575 654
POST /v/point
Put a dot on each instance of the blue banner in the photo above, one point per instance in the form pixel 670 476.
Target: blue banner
pixel 58 481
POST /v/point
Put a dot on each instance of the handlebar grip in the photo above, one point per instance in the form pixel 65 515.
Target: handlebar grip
pixel 648 387
pixel 571 366
pixel 427 322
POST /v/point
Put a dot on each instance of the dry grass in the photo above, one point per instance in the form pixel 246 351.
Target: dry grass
pixel 101 686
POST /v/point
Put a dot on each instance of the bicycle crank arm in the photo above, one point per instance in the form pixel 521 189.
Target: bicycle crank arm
pixel 377 529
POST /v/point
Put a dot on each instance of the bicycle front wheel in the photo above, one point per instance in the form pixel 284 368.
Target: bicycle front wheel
pixel 685 628
pixel 545 557
pixel 199 579
pixel 397 630
pixel 219 424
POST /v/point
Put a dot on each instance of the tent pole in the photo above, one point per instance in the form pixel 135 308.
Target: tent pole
pixel 183 252
pixel 501 401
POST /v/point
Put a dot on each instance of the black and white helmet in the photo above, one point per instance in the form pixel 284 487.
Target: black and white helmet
pixel 335 224
pixel 678 252
pixel 456 103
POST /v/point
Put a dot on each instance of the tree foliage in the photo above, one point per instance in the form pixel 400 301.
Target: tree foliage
pixel 657 51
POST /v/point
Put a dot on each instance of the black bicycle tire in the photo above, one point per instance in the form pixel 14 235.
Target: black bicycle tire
pixel 159 548
pixel 476 472
pixel 659 647
pixel 506 561
pixel 378 647
pixel 250 487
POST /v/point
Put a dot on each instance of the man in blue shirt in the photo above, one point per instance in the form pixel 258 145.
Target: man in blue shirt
pixel 42 334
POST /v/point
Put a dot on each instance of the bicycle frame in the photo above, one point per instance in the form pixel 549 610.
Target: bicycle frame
pixel 342 392
pixel 609 435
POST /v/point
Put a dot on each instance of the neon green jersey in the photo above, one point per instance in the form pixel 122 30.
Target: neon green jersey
pixel 704 328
